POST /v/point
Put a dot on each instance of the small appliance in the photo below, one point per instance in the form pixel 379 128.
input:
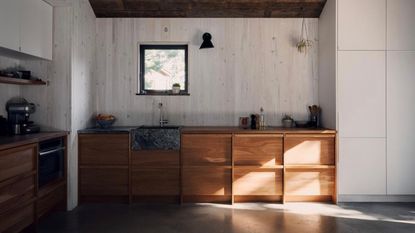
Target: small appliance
pixel 18 113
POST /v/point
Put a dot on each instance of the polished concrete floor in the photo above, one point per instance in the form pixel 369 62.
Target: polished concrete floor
pixel 243 218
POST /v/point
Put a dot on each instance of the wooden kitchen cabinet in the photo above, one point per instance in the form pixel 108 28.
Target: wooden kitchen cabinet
pixel 206 167
pixel 104 169
pixel 155 175
pixel 309 149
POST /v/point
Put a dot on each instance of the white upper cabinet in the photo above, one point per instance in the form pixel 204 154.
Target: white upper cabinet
pixel 401 127
pixel 361 93
pixel 36 20
pixel 401 29
pixel 9 24
pixel 361 24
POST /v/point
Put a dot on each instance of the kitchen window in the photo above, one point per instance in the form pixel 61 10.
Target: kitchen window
pixel 163 70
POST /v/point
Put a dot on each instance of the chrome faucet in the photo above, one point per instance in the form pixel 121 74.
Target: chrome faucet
pixel 162 120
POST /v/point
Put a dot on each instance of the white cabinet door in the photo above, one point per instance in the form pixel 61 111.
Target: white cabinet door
pixel 9 24
pixel 362 24
pixel 401 29
pixel 361 93
pixel 36 19
pixel 401 122
pixel 362 166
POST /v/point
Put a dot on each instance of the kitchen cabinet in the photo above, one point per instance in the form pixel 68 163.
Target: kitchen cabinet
pixel 206 167
pixel 401 129
pixel 400 28
pixel 362 166
pixel 361 24
pixel 104 167
pixel 361 93
pixel 27 27
pixel 156 175
pixel 10 24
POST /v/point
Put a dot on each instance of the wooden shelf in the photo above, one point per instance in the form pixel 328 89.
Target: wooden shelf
pixel 17 81
pixel 259 167
pixel 310 166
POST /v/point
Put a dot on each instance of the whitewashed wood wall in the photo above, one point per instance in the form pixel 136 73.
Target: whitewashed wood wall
pixel 254 64
pixel 7 91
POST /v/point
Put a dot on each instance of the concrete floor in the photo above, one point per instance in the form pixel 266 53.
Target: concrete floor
pixel 241 218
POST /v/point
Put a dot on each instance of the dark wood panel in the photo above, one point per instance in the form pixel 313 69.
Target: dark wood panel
pixel 206 149
pixel 214 181
pixel 103 149
pixel 257 182
pixel 15 220
pixel 155 158
pixel 258 149
pixel 7 142
pixel 212 8
pixel 226 199
pixel 14 191
pixel 103 181
pixel 17 161
pixel 48 201
pixel 155 181
pixel 309 149
pixel 258 198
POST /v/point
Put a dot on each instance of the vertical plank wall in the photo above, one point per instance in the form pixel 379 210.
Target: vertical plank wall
pixel 254 63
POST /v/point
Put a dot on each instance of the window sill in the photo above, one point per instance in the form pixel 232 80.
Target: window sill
pixel 163 94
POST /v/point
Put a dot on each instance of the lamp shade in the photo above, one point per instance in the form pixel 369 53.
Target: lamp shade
pixel 207 41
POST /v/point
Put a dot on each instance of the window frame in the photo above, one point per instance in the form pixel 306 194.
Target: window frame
pixel 142 48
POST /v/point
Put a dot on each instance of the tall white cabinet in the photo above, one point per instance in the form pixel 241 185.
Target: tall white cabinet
pixel 375 99
pixel 26 27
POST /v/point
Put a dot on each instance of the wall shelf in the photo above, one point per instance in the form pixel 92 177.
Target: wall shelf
pixel 17 81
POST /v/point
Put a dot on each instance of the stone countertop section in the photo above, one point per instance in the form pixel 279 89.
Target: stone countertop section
pixel 7 142
pixel 270 130
pixel 114 129
pixel 155 139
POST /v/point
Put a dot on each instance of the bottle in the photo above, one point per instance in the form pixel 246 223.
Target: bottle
pixel 262 119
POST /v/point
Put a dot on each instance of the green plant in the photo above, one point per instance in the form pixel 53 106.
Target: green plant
pixel 176 85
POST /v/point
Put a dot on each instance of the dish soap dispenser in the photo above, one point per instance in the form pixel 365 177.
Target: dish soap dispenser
pixel 262 119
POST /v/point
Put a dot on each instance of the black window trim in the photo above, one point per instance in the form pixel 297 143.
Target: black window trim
pixel 144 47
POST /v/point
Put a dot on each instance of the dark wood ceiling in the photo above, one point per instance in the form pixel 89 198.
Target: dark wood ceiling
pixel 209 8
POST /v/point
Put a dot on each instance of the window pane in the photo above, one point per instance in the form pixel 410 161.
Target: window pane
pixel 163 68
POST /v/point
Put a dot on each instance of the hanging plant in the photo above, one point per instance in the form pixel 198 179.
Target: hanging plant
pixel 304 44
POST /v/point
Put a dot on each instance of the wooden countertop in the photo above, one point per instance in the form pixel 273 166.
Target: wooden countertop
pixel 271 130
pixel 7 142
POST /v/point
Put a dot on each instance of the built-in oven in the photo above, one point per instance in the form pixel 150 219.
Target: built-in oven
pixel 51 161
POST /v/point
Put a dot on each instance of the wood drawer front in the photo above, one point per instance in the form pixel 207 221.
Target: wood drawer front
pixel 263 150
pixel 155 158
pixel 103 149
pixel 51 200
pixel 16 191
pixel 103 181
pixel 206 181
pixel 305 182
pixel 257 182
pixel 206 149
pixel 156 181
pixel 15 220
pixel 17 161
pixel 309 149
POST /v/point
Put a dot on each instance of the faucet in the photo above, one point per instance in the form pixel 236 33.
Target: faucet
pixel 162 120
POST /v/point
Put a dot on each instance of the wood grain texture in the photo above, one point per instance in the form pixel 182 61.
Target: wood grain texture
pixel 267 182
pixel 309 182
pixel 155 158
pixel 48 201
pixel 212 8
pixel 251 56
pixel 103 149
pixel 262 150
pixel 15 220
pixel 17 161
pixel 211 181
pixel 17 190
pixel 309 149
pixel 155 181
pixel 206 150
pixel 103 182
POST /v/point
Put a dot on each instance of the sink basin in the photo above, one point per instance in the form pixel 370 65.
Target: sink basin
pixel 156 138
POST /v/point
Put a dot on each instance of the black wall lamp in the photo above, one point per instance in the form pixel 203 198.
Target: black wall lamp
pixel 207 41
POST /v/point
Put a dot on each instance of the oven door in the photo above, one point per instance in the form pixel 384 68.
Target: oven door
pixel 51 165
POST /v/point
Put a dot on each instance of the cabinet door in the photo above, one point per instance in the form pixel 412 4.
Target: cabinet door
pixel 361 93
pixel 401 126
pixel 362 166
pixel 103 181
pixel 211 181
pixel 361 24
pixel 36 27
pixel 401 30
pixel 9 24
pixel 103 149
pixel 309 149
pixel 17 161
pixel 261 150
pixel 259 181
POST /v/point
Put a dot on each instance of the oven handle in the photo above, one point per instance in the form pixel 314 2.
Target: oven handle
pixel 51 151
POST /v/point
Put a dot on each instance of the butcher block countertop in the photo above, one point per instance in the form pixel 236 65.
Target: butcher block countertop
pixel 7 142
pixel 270 130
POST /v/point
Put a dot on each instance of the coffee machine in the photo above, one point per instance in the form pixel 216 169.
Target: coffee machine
pixel 18 113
